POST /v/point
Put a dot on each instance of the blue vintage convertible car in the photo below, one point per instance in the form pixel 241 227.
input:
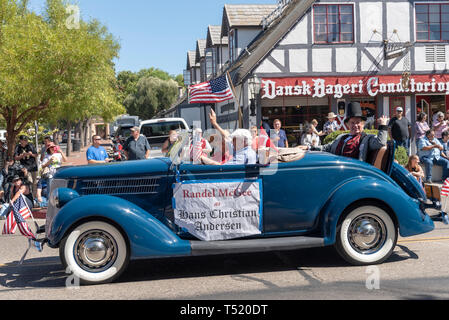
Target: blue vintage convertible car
pixel 101 217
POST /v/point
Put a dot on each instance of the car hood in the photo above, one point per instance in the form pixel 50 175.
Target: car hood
pixel 157 166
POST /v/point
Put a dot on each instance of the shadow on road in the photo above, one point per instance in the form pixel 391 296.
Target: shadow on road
pixel 35 273
pixel 172 268
pixel 48 272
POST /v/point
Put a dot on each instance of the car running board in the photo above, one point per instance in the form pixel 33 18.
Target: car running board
pixel 200 248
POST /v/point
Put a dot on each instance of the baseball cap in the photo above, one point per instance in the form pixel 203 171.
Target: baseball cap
pixel 400 109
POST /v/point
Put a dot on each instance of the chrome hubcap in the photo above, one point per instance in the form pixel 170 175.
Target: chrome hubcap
pixel 367 234
pixel 95 251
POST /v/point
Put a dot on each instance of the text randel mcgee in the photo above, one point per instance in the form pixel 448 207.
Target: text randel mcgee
pixel 217 193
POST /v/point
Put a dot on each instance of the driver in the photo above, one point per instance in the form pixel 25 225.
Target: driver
pixel 357 143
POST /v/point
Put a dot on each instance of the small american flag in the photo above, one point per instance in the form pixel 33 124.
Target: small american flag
pixel 214 91
pixel 10 225
pixel 16 219
pixel 445 188
pixel 445 201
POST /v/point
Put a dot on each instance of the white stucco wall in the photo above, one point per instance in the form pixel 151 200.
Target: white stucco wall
pixel 322 60
pixel 346 59
pixel 398 18
pixel 298 60
pixel 371 19
pixel 299 34
pixel 422 65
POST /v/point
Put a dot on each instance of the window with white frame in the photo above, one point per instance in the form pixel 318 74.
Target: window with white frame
pixel 187 81
pixel 209 62
pixel 232 44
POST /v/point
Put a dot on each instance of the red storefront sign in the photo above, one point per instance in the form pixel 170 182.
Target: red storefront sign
pixel 338 87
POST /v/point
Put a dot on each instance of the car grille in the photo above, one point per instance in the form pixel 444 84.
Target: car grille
pixel 120 186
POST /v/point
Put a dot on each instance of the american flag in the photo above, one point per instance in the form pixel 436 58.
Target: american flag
pixel 16 219
pixel 445 188
pixel 214 91
pixel 445 201
pixel 197 152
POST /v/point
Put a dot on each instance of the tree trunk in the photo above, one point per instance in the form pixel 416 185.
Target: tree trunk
pixel 89 132
pixel 10 139
pixel 81 136
pixel 69 139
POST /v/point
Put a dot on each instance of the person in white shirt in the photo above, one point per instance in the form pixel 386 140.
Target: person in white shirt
pixel 242 152
pixel 309 138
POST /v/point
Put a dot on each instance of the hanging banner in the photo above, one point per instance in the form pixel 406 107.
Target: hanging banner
pixel 219 210
pixel 339 87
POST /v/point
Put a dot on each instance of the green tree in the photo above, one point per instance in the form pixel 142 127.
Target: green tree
pixel 50 70
pixel 148 91
pixel 152 95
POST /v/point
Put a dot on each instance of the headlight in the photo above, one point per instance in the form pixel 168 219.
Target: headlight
pixel 57 183
pixel 52 210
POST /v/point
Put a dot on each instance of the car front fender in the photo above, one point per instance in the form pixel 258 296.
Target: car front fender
pixel 411 220
pixel 147 236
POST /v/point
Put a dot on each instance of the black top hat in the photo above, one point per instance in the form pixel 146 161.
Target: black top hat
pixel 16 177
pixel 354 109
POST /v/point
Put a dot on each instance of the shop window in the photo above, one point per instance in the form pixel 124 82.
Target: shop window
pixel 333 23
pixel 294 119
pixel 396 102
pixel 431 105
pixel 432 22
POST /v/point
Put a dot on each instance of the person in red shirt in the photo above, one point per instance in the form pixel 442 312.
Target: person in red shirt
pixel 200 147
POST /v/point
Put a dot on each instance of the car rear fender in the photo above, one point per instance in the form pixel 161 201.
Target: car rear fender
pixel 147 237
pixel 404 210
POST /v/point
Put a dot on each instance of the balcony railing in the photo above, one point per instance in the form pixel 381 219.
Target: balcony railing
pixel 268 20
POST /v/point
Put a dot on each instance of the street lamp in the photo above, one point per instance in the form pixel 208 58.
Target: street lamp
pixel 254 89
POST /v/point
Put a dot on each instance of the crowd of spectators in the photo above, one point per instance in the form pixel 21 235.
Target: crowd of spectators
pixel 27 172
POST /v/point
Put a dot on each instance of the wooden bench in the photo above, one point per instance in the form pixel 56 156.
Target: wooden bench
pixel 433 192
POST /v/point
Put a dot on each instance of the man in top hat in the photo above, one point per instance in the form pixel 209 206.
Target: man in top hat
pixel 357 144
pixel 331 125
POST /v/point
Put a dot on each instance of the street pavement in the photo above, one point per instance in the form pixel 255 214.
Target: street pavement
pixel 417 270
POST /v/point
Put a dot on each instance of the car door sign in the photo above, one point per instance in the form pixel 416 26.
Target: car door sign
pixel 219 210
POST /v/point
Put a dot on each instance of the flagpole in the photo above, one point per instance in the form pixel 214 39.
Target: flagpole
pixel 188 94
pixel 236 101
pixel 31 212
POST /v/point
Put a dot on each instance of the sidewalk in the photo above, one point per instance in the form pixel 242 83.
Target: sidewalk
pixel 79 158
pixel 75 159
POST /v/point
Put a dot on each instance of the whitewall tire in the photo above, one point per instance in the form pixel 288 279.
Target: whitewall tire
pixel 367 235
pixel 94 252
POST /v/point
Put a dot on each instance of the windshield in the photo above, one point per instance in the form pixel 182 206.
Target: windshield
pixel 181 150
pixel 159 129
pixel 132 121
pixel 124 132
